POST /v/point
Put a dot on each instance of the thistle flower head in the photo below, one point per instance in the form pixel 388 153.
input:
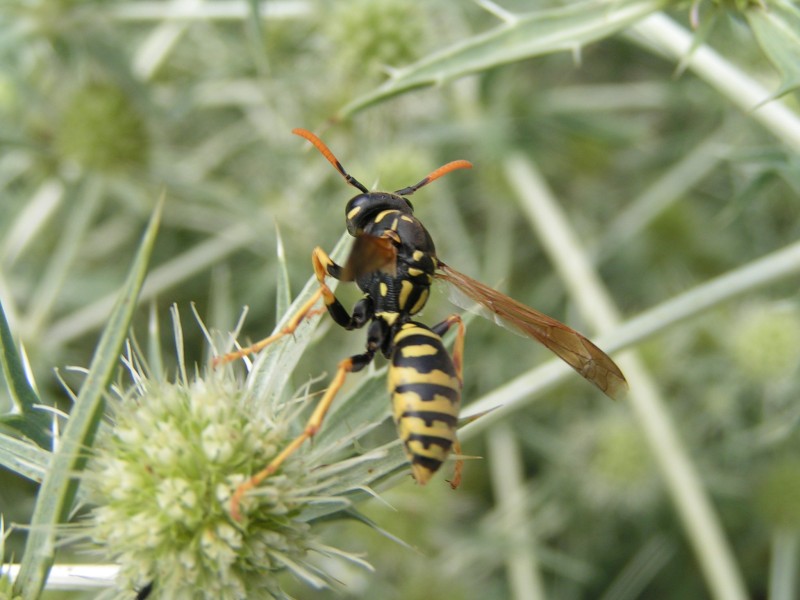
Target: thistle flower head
pixel 101 129
pixel 389 33
pixel 621 471
pixel 162 475
pixel 766 343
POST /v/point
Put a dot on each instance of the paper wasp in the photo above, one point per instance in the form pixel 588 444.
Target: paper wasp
pixel 394 262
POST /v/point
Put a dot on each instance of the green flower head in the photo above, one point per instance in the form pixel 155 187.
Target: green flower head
pixel 163 473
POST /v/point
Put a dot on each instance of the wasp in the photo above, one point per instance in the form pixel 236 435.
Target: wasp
pixel 394 263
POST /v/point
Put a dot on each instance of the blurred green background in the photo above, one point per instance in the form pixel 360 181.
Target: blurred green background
pixel 667 181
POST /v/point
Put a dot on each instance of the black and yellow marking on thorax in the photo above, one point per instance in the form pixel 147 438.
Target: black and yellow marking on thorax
pixel 420 303
pixel 390 216
pixel 408 290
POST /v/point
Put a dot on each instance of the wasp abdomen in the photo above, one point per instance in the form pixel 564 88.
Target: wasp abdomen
pixel 426 396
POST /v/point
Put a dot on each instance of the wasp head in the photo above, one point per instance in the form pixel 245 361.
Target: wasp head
pixel 366 207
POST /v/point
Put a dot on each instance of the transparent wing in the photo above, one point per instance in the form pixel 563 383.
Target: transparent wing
pixel 369 254
pixel 582 355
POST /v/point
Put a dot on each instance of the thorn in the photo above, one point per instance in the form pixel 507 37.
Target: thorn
pixel 501 13
pixel 467 420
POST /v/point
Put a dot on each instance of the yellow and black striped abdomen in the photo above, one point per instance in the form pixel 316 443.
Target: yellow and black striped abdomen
pixel 426 396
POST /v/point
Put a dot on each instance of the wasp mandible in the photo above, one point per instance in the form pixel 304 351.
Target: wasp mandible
pixel 394 262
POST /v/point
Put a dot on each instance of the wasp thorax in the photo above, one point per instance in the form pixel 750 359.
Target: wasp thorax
pixel 365 207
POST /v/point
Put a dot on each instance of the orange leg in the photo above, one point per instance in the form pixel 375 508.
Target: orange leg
pixel 312 427
pixel 458 347
pixel 304 313
pixel 457 470
pixel 321 262
pixel 323 267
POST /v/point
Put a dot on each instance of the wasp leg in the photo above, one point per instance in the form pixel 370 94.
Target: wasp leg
pixel 458 363
pixel 362 312
pixel 458 469
pixel 304 312
pixel 323 266
pixel 348 365
pixel 458 347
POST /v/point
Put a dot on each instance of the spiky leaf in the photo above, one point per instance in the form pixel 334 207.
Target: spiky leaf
pixel 777 30
pixel 522 36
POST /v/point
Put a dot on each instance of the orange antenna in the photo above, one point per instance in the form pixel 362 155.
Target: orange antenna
pixel 443 170
pixel 326 152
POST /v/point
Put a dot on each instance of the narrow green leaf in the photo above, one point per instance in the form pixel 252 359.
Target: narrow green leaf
pixel 28 421
pixel 531 34
pixel 32 426
pixel 353 514
pixel 58 490
pixel 256 36
pixel 283 294
pixel 23 457
pixel 777 30
pixel 155 357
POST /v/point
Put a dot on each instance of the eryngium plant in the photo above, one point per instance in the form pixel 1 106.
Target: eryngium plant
pixel 164 469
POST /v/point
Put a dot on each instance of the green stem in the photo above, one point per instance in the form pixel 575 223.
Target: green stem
pixel 783 568
pixel 58 490
pixel 661 33
pixel 510 494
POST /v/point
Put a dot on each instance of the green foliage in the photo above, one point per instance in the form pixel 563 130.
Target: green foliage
pixel 766 345
pixel 161 480
pixel 388 33
pixel 674 178
pixel 6 589
pixel 776 26
pixel 101 129
pixel 620 466
pixel 27 421
pixel 778 496
pixel 521 36
pixel 59 486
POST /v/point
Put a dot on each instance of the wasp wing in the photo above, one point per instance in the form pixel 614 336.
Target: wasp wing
pixel 582 355
pixel 369 254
